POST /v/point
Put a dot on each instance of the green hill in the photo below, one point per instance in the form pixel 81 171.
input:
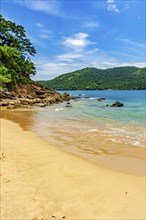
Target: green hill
pixel 120 78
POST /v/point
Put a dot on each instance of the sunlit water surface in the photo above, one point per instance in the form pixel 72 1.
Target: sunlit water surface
pixel 91 130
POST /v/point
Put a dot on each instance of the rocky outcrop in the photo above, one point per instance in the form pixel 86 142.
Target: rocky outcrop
pixel 68 104
pixel 100 99
pixel 116 104
pixel 31 95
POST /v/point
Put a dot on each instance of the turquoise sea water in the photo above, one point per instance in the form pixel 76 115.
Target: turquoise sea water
pixel 111 137
pixel 90 124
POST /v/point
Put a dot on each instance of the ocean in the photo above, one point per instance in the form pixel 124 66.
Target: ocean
pixel 91 130
pixel 88 118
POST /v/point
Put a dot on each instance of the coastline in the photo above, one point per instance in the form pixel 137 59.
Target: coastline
pixel 114 156
pixel 38 181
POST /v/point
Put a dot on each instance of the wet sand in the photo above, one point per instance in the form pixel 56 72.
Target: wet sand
pixel 38 181
pixel 107 154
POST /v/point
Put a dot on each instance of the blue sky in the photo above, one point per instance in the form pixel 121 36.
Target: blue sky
pixel 73 34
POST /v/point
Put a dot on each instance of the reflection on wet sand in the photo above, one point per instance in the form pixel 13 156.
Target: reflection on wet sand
pixel 24 118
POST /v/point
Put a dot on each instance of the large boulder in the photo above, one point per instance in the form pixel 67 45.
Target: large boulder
pixel 117 104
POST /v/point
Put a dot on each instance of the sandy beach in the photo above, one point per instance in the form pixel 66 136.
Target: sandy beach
pixel 38 181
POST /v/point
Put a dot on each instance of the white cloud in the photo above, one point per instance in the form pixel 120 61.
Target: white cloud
pixel 49 70
pixel 80 56
pixel 77 41
pixel 110 1
pixel 137 64
pixel 44 36
pixel 126 7
pixel 133 43
pixel 39 25
pixel 70 62
pixel 69 56
pixel 90 25
pixel 45 33
pixel 50 7
pixel 111 6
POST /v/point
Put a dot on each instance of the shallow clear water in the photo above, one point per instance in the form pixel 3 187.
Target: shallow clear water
pixel 88 120
pixel 111 137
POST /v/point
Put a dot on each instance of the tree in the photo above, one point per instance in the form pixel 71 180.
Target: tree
pixel 15 52
pixel 13 35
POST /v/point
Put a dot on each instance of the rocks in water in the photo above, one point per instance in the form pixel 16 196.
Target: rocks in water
pixel 66 94
pixel 87 97
pixel 42 105
pixel 68 104
pixel 116 104
pixel 100 99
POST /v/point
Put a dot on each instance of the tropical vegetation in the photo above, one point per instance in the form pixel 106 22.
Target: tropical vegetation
pixel 15 51
pixel 118 78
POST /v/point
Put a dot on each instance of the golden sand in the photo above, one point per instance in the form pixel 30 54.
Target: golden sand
pixel 38 181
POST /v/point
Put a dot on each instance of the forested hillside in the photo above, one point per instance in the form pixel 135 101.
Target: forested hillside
pixel 120 78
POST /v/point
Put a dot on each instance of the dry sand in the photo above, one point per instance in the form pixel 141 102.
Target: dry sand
pixel 38 181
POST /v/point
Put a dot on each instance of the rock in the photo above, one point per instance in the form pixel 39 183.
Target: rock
pixel 22 95
pixel 117 104
pixel 101 99
pixel 87 97
pixel 12 106
pixel 4 103
pixel 7 95
pixel 43 96
pixel 65 94
pixel 12 103
pixel 37 100
pixel 29 97
pixel 68 105
pixel 26 101
pixel 42 105
pixel 57 100
pixel 40 92
pixel 75 97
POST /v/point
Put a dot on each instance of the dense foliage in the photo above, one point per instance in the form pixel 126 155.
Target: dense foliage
pixel 119 78
pixel 15 51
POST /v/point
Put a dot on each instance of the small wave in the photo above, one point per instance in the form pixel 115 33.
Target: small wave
pixel 91 98
pixel 113 140
pixel 58 109
pixel 92 130
pixel 136 143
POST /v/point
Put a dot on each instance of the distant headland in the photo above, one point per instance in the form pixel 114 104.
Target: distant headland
pixel 117 78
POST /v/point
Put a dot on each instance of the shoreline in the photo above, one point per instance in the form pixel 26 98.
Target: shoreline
pixel 40 181
pixel 117 157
